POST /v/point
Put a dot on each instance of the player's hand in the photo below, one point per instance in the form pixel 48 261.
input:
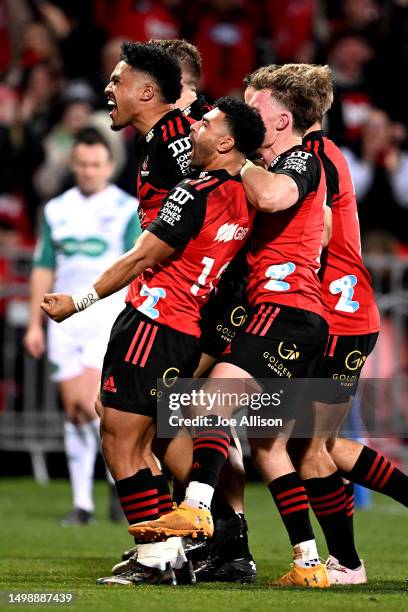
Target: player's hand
pixel 34 341
pixel 58 306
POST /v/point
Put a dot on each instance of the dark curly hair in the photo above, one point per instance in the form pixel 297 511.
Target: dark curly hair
pixel 245 123
pixel 158 63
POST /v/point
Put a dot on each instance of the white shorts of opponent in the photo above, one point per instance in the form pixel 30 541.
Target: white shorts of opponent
pixel 80 341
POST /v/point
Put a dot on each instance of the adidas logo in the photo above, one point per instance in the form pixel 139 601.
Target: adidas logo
pixel 109 385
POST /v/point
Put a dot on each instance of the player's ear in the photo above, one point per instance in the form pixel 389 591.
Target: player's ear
pixel 283 121
pixel 147 93
pixel 226 144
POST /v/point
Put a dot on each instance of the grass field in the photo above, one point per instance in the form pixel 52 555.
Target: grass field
pixel 39 555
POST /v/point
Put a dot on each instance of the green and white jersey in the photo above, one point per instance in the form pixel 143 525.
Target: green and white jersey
pixel 81 236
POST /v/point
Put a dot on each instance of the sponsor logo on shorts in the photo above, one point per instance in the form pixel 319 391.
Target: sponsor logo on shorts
pixel 288 350
pixel 355 360
pixel 277 366
pixel 225 332
pixel 239 316
pixel 170 377
pixel 109 385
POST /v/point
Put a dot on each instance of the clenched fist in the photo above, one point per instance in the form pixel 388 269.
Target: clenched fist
pixel 58 306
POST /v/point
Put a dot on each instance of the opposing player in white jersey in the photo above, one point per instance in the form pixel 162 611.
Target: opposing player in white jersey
pixel 83 231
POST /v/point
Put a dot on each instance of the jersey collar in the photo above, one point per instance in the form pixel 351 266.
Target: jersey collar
pixel 222 174
pixel 314 135
pixel 162 121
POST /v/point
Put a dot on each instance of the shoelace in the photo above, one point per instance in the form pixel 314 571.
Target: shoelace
pixel 336 566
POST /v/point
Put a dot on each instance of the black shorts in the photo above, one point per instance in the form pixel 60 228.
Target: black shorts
pixel 341 364
pixel 139 353
pixel 226 310
pixel 279 342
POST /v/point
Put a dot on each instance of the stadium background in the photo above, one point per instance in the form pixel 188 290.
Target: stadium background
pixel 55 59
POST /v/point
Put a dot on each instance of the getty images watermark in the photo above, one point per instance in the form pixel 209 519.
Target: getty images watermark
pixel 375 408
pixel 199 400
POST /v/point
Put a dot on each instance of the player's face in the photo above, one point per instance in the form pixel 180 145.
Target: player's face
pixel 123 92
pixel 269 109
pixel 92 167
pixel 207 136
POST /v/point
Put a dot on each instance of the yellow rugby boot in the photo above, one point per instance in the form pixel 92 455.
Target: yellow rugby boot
pixel 316 577
pixel 186 521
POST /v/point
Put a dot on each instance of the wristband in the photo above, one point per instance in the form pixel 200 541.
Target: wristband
pixel 85 299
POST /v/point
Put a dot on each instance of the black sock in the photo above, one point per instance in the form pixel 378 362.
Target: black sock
pixel 291 500
pixel 240 546
pixel 376 472
pixel 138 497
pixel 328 499
pixel 231 531
pixel 179 491
pixel 350 504
pixel 210 451
pixel 163 494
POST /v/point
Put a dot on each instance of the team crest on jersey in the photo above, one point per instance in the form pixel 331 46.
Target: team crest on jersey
pixel 144 169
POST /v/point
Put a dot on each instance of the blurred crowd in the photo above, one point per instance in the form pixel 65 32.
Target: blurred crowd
pixel 56 57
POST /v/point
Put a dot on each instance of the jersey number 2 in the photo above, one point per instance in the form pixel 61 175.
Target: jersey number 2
pixel 345 285
pixel 153 296
pixel 277 273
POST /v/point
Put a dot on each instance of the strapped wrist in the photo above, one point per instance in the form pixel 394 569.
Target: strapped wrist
pixel 85 299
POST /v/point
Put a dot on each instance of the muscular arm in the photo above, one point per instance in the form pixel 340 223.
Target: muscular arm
pixel 268 192
pixel 146 253
pixel 41 281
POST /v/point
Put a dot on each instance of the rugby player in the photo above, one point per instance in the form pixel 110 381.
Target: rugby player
pixel 286 318
pixel 228 555
pixel 143 91
pixel 193 105
pixel 171 276
pixel 354 324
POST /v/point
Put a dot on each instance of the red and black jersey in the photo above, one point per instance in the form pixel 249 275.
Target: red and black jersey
pixel 346 284
pixel 197 109
pixel 284 254
pixel 164 160
pixel 207 220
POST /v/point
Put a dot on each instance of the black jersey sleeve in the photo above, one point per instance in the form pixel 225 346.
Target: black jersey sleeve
pixel 303 167
pixel 181 216
pixel 175 152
